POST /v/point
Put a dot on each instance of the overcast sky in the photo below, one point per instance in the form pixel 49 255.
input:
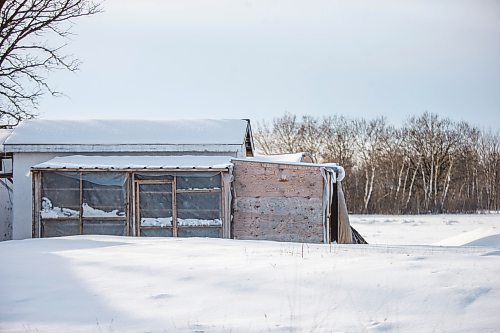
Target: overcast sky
pixel 258 59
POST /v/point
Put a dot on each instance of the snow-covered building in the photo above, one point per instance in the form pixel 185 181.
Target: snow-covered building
pixel 177 178
pixel 90 176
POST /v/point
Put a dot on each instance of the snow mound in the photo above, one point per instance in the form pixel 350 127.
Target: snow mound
pixel 488 237
pixel 489 241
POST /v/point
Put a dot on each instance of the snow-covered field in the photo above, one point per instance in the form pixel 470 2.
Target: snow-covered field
pixel 427 229
pixel 401 282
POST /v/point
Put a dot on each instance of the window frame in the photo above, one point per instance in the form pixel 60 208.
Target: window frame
pixel 175 227
pixel 39 225
pixel 133 177
pixel 137 205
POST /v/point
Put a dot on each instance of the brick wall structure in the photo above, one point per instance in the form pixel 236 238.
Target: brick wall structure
pixel 280 202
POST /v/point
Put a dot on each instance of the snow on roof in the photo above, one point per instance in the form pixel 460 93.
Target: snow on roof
pixel 122 132
pixel 265 159
pixel 297 157
pixel 4 134
pixel 137 162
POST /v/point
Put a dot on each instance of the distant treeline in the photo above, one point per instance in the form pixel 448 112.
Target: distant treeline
pixel 428 165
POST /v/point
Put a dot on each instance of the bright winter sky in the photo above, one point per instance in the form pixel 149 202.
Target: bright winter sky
pixel 260 58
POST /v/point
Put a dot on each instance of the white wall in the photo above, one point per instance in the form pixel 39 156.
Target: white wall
pixel 22 215
pixel 5 209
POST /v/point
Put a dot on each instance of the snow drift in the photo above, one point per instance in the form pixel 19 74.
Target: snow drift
pixel 126 284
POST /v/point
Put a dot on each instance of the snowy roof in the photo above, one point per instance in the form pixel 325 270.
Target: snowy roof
pixel 137 162
pixel 297 157
pixel 60 135
pixel 265 159
pixel 4 134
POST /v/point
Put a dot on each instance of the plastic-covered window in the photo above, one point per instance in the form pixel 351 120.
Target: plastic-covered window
pixel 154 176
pixel 104 227
pixel 60 195
pixel 104 194
pixel 198 204
pixel 198 181
pixel 198 208
pixel 101 197
pixel 199 232
pixel 155 201
pixel 60 227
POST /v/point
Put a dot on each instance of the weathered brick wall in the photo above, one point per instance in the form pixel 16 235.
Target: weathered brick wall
pixel 279 202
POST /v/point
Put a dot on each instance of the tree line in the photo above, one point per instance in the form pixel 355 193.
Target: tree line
pixel 429 164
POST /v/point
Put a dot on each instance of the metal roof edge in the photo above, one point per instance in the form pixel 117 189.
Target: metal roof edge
pixel 41 148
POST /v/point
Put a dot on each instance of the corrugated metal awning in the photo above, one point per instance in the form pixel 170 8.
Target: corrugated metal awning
pixel 136 162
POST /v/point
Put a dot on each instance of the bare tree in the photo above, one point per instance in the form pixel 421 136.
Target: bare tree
pixel 430 164
pixel 394 173
pixel 264 138
pixel 26 56
pixel 286 130
pixel 489 165
pixel 310 138
pixel 435 144
pixel 337 135
pixel 370 138
pixel 282 138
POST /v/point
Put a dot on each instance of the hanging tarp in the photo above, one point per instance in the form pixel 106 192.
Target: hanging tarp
pixel 344 227
pixel 336 217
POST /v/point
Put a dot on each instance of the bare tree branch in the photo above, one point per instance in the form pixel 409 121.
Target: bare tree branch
pixel 26 56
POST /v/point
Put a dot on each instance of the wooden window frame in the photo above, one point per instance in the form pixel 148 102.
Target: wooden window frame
pixel 38 225
pixel 137 204
pixel 175 191
pixel 132 208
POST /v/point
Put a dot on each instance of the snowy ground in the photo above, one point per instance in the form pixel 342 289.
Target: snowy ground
pixel 426 229
pixel 399 283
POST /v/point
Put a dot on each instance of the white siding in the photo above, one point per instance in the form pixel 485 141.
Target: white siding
pixel 5 209
pixel 22 216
